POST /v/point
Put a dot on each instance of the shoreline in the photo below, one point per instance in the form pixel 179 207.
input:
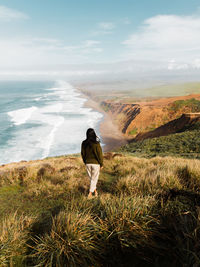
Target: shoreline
pixel 111 136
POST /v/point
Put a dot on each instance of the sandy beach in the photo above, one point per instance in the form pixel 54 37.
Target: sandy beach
pixel 111 136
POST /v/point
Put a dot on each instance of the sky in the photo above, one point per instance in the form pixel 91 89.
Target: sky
pixel 58 32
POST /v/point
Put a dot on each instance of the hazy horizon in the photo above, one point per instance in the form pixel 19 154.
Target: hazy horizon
pixel 99 39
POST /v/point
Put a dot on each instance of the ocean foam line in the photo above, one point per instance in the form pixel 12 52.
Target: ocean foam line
pixel 20 116
pixel 50 137
pixel 52 108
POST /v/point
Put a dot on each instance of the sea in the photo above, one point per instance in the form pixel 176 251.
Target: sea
pixel 40 119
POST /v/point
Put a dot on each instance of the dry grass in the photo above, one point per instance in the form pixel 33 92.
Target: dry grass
pixel 13 238
pixel 147 211
pixel 72 241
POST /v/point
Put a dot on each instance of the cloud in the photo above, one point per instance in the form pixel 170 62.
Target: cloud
pixel 126 21
pixel 106 25
pixel 39 51
pixel 166 37
pixel 98 49
pixel 87 47
pixel 104 28
pixel 46 40
pixel 90 47
pixel 91 43
pixel 8 14
pixel 48 74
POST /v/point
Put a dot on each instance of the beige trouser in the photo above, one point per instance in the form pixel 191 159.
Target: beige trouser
pixel 93 172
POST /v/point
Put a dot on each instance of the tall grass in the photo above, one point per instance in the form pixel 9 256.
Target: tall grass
pixel 13 237
pixel 147 213
pixel 72 241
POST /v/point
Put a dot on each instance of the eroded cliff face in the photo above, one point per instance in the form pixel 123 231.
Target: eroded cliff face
pixel 135 118
pixel 138 118
pixel 123 114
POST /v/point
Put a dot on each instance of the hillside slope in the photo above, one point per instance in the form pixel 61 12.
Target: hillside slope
pixel 184 144
pixel 184 122
pixel 147 213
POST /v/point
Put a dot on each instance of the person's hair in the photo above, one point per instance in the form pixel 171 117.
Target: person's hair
pixel 91 137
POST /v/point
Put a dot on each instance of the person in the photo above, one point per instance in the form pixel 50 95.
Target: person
pixel 92 156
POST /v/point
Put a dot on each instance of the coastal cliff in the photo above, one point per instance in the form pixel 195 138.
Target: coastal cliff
pixel 123 114
pixel 139 119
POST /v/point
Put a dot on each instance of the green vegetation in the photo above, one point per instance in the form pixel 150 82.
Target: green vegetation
pixel 147 213
pixel 185 144
pixel 133 132
pixel 192 104
pixel 151 127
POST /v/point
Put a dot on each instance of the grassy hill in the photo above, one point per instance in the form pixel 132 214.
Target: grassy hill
pixel 184 144
pixel 147 213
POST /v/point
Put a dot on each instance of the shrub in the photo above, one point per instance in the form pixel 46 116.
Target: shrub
pixel 185 144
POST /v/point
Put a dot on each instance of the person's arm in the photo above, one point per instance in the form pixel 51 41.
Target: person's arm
pixel 83 152
pixel 99 154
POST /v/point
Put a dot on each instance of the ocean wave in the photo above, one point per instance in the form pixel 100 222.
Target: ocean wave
pixel 55 108
pixel 20 116
pixel 61 119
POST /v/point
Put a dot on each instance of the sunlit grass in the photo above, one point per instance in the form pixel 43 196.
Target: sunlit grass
pixel 148 211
